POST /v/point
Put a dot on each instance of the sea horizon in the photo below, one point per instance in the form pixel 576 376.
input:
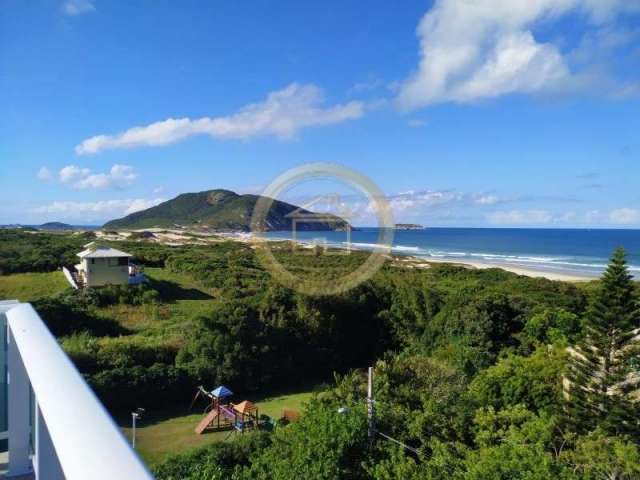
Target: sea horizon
pixel 580 252
pixel 571 251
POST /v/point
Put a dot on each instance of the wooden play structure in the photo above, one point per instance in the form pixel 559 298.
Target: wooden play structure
pixel 224 416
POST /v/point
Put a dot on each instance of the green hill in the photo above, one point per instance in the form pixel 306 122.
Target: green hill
pixel 55 226
pixel 217 209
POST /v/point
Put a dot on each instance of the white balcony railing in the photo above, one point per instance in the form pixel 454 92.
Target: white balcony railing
pixel 57 428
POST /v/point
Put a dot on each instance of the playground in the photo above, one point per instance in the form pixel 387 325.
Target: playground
pixel 167 432
pixel 221 414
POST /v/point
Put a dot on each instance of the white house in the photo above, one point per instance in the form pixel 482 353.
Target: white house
pixel 106 266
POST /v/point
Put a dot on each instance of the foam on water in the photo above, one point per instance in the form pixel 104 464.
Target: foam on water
pixel 577 252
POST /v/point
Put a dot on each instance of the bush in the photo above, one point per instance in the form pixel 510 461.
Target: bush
pixel 126 388
pixel 216 461
pixel 117 294
pixel 21 251
pixel 534 381
pixel 65 316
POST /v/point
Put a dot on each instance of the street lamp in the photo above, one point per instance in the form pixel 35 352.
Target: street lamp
pixel 134 416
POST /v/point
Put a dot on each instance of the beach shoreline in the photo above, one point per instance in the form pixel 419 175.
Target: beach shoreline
pixel 401 259
pixel 421 262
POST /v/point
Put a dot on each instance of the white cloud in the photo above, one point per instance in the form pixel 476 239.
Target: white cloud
pixel 372 82
pixel 625 216
pixel 486 199
pixel 594 218
pixel 71 174
pixel 411 200
pixel 78 7
pixel 417 123
pixel 520 217
pixel 479 49
pixel 282 114
pixel 44 174
pixel 120 176
pixel 141 204
pixel 93 211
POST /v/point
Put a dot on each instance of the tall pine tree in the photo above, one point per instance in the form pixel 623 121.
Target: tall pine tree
pixel 604 370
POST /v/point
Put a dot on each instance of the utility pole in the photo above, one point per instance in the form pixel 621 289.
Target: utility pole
pixel 370 407
pixel 134 416
pixel 370 416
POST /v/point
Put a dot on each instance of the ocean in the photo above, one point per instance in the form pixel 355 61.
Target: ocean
pixel 579 252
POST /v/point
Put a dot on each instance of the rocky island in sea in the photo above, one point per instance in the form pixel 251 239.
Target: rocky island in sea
pixel 409 226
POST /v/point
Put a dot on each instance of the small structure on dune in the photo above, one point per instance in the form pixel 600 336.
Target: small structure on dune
pixel 101 265
pixel 144 235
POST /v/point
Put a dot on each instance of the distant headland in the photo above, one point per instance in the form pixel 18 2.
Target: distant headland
pixel 409 226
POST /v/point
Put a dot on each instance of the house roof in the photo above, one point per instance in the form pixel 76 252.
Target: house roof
pixel 102 252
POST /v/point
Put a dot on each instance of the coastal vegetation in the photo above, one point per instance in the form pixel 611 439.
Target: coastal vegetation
pixel 29 251
pixel 471 367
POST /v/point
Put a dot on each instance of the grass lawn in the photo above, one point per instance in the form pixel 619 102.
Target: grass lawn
pixel 182 300
pixel 27 287
pixel 163 433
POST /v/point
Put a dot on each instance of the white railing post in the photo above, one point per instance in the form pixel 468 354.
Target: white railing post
pixel 3 375
pixel 4 425
pixel 18 409
pixel 45 462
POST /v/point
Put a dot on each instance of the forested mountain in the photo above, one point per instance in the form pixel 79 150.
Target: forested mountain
pixel 55 226
pixel 217 209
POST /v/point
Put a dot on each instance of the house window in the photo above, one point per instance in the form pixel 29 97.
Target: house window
pixel 93 261
pixel 123 261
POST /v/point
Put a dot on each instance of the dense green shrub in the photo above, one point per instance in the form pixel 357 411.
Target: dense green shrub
pixel 216 461
pixel 64 315
pixel 534 381
pixel 22 251
pixel 552 325
pixel 127 388
pixel 116 294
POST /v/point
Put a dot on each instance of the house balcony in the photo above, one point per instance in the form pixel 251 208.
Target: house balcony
pixel 136 274
pixel 53 423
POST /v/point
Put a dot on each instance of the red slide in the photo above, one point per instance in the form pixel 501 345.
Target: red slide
pixel 206 421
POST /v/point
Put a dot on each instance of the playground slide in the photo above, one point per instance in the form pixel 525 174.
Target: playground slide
pixel 206 421
pixel 227 412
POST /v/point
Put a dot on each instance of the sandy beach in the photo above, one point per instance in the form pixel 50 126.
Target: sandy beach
pixel 420 262
pixel 529 272
pixel 180 237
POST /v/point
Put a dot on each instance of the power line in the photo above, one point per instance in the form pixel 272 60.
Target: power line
pixel 371 420
pixel 407 447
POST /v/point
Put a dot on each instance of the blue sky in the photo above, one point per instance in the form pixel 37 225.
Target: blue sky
pixel 485 113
